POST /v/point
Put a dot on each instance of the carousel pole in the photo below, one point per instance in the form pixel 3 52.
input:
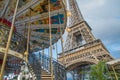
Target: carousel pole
pixel 57 52
pixel 48 66
pixel 63 55
pixel 51 66
pixel 43 57
pixel 109 72
pixel 28 39
pixel 115 73
pixel 8 43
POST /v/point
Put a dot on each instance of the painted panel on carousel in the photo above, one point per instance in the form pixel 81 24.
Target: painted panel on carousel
pixel 36 14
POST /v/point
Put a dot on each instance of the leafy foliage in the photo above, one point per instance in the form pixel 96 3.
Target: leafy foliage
pixel 99 72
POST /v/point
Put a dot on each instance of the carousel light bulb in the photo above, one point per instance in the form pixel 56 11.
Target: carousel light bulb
pixel 26 53
pixel 68 13
pixel 68 29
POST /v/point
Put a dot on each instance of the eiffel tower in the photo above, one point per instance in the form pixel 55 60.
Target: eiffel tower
pixel 81 47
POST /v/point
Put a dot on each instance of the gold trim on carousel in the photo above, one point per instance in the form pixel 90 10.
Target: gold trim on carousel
pixel 11 52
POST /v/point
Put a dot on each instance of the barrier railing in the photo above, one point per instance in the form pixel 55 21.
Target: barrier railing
pixel 35 65
pixel 58 69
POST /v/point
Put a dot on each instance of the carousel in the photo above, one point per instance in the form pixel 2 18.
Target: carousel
pixel 28 26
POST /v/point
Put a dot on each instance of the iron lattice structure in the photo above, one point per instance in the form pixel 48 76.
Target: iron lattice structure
pixel 81 46
pixel 80 31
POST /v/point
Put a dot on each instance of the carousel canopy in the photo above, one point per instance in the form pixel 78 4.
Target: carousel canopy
pixel 35 13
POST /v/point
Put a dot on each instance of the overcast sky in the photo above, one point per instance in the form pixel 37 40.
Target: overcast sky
pixel 103 16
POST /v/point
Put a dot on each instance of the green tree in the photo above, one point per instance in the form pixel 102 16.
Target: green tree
pixel 99 72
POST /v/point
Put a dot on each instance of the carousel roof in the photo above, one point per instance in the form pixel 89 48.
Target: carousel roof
pixel 35 13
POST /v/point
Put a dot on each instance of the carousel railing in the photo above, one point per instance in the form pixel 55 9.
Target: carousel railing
pixel 12 66
pixel 17 42
pixel 22 70
pixel 58 69
pixel 40 62
pixel 17 48
pixel 35 65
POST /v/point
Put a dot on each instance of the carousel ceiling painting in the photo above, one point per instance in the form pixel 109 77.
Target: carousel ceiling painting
pixel 35 13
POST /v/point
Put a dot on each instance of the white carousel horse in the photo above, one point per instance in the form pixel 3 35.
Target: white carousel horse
pixel 24 74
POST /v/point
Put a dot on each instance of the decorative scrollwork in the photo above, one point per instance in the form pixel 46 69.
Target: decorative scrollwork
pixel 17 42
